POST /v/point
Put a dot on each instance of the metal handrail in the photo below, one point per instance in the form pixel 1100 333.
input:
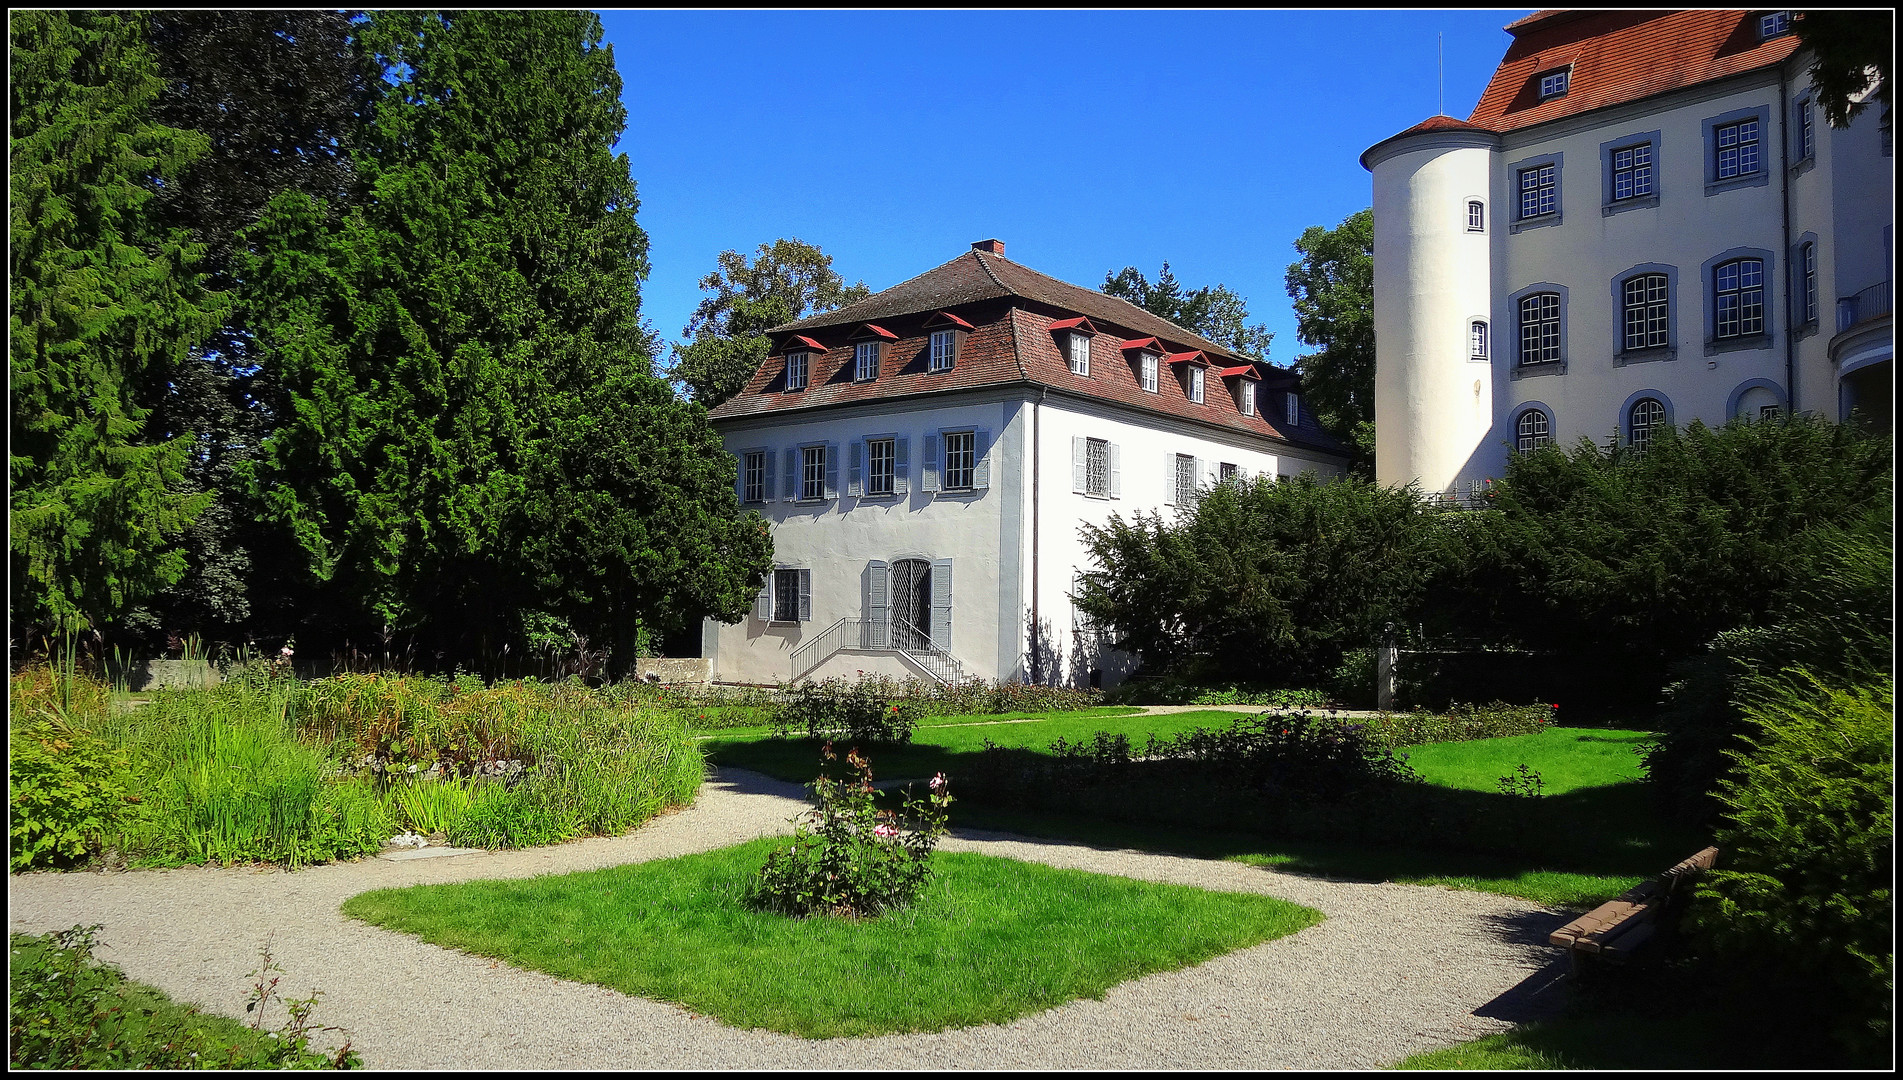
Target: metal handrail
pixel 872 635
pixel 940 664
pixel 1870 303
pixel 829 641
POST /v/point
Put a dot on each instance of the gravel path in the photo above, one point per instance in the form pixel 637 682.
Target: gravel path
pixel 1394 969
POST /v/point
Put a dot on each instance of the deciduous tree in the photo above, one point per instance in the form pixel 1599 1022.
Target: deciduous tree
pixel 1849 50
pixel 1332 285
pixel 788 279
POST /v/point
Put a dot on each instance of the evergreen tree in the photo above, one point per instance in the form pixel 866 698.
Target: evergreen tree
pixel 454 352
pixel 788 280
pixel 105 300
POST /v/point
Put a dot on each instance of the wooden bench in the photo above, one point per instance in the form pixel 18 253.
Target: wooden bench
pixel 1614 930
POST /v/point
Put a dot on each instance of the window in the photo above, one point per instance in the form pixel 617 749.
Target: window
pixel 795 371
pixel 1737 149
pixel 1647 308
pixel 1776 24
pixel 1096 467
pixel 1647 416
pixel 1555 83
pixel 1226 472
pixel 1476 216
pixel 812 472
pixel 1539 190
pixel 1806 133
pixel 944 345
pixel 1195 384
pixel 1739 289
pixel 1294 408
pixel 1810 284
pixel 1531 432
pixel 1149 371
pixel 792 596
pixel 1248 398
pixel 960 459
pixel 1539 328
pixel 1632 172
pixel 1185 480
pixel 1477 333
pixel 865 361
pixel 753 478
pixel 1077 352
pixel 879 467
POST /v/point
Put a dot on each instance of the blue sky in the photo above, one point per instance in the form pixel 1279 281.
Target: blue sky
pixel 1086 140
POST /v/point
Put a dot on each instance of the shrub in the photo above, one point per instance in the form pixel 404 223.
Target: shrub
pixel 862 711
pixel 1353 682
pixel 857 861
pixel 1172 690
pixel 66 1010
pixel 1805 882
pixel 1462 723
pixel 68 791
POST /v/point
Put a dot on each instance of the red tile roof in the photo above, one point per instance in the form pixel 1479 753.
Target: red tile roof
pixel 1619 56
pixel 797 339
pixel 1015 314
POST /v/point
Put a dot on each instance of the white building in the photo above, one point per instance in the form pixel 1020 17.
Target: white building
pixel 927 456
pixel 1645 221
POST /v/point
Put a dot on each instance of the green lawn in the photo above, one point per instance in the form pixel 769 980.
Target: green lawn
pixel 989 939
pixel 1604 835
pixel 939 745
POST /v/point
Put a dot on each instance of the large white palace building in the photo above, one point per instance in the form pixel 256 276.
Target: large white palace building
pixel 1645 221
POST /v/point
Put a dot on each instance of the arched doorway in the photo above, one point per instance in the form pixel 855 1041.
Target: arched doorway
pixel 911 604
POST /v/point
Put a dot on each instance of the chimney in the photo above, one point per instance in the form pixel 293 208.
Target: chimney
pixel 995 247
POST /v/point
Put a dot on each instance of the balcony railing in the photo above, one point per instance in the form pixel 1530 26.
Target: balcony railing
pixel 1871 303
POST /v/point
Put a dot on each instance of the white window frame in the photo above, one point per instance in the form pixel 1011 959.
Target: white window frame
pixel 865 361
pixel 797 363
pixel 1195 388
pixel 1077 352
pixel 1637 175
pixel 1531 431
pixel 1477 339
pixel 1645 307
pixel 1294 407
pixel 1476 216
pixel 1737 130
pixel 1248 397
pixel 1747 319
pixel 1776 24
pixel 1639 436
pixel 944 348
pixel 1543 343
pixel 1148 366
pixel 1555 84
pixel 891 474
pixel 812 475
pixel 1810 283
pixel 1539 188
pixel 967 470
pixel 753 480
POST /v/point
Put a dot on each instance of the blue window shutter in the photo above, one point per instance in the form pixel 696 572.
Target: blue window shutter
pixel 855 468
pixel 1116 472
pixel 931 463
pixel 1079 463
pixel 763 603
pixel 832 470
pixel 941 603
pixel 1169 479
pixel 878 582
pixel 792 475
pixel 902 465
pixel 981 455
pixel 766 476
pixel 806 596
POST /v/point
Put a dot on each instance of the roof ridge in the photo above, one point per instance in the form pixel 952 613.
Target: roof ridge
pixel 980 256
pixel 1017 350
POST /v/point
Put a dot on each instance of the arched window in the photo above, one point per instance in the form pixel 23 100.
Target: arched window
pixel 1477 334
pixel 1646 417
pixel 1647 310
pixel 1539 328
pixel 1476 216
pixel 1531 432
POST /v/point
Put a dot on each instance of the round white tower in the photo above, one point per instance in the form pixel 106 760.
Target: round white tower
pixel 1433 276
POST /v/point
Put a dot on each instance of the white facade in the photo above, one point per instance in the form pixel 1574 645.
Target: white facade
pixel 1447 419
pixel 1011 546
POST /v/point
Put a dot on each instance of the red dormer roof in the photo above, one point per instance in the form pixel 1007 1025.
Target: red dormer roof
pixel 800 341
pixel 1191 357
pixel 1081 324
pixel 1619 56
pixel 872 330
pixel 942 317
pixel 1150 343
pixel 1246 371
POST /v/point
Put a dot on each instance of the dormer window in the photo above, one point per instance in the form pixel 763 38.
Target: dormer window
pixel 1077 352
pixel 796 370
pixel 865 361
pixel 1294 409
pixel 1148 368
pixel 1247 401
pixel 944 350
pixel 1555 83
pixel 1775 24
pixel 1195 384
